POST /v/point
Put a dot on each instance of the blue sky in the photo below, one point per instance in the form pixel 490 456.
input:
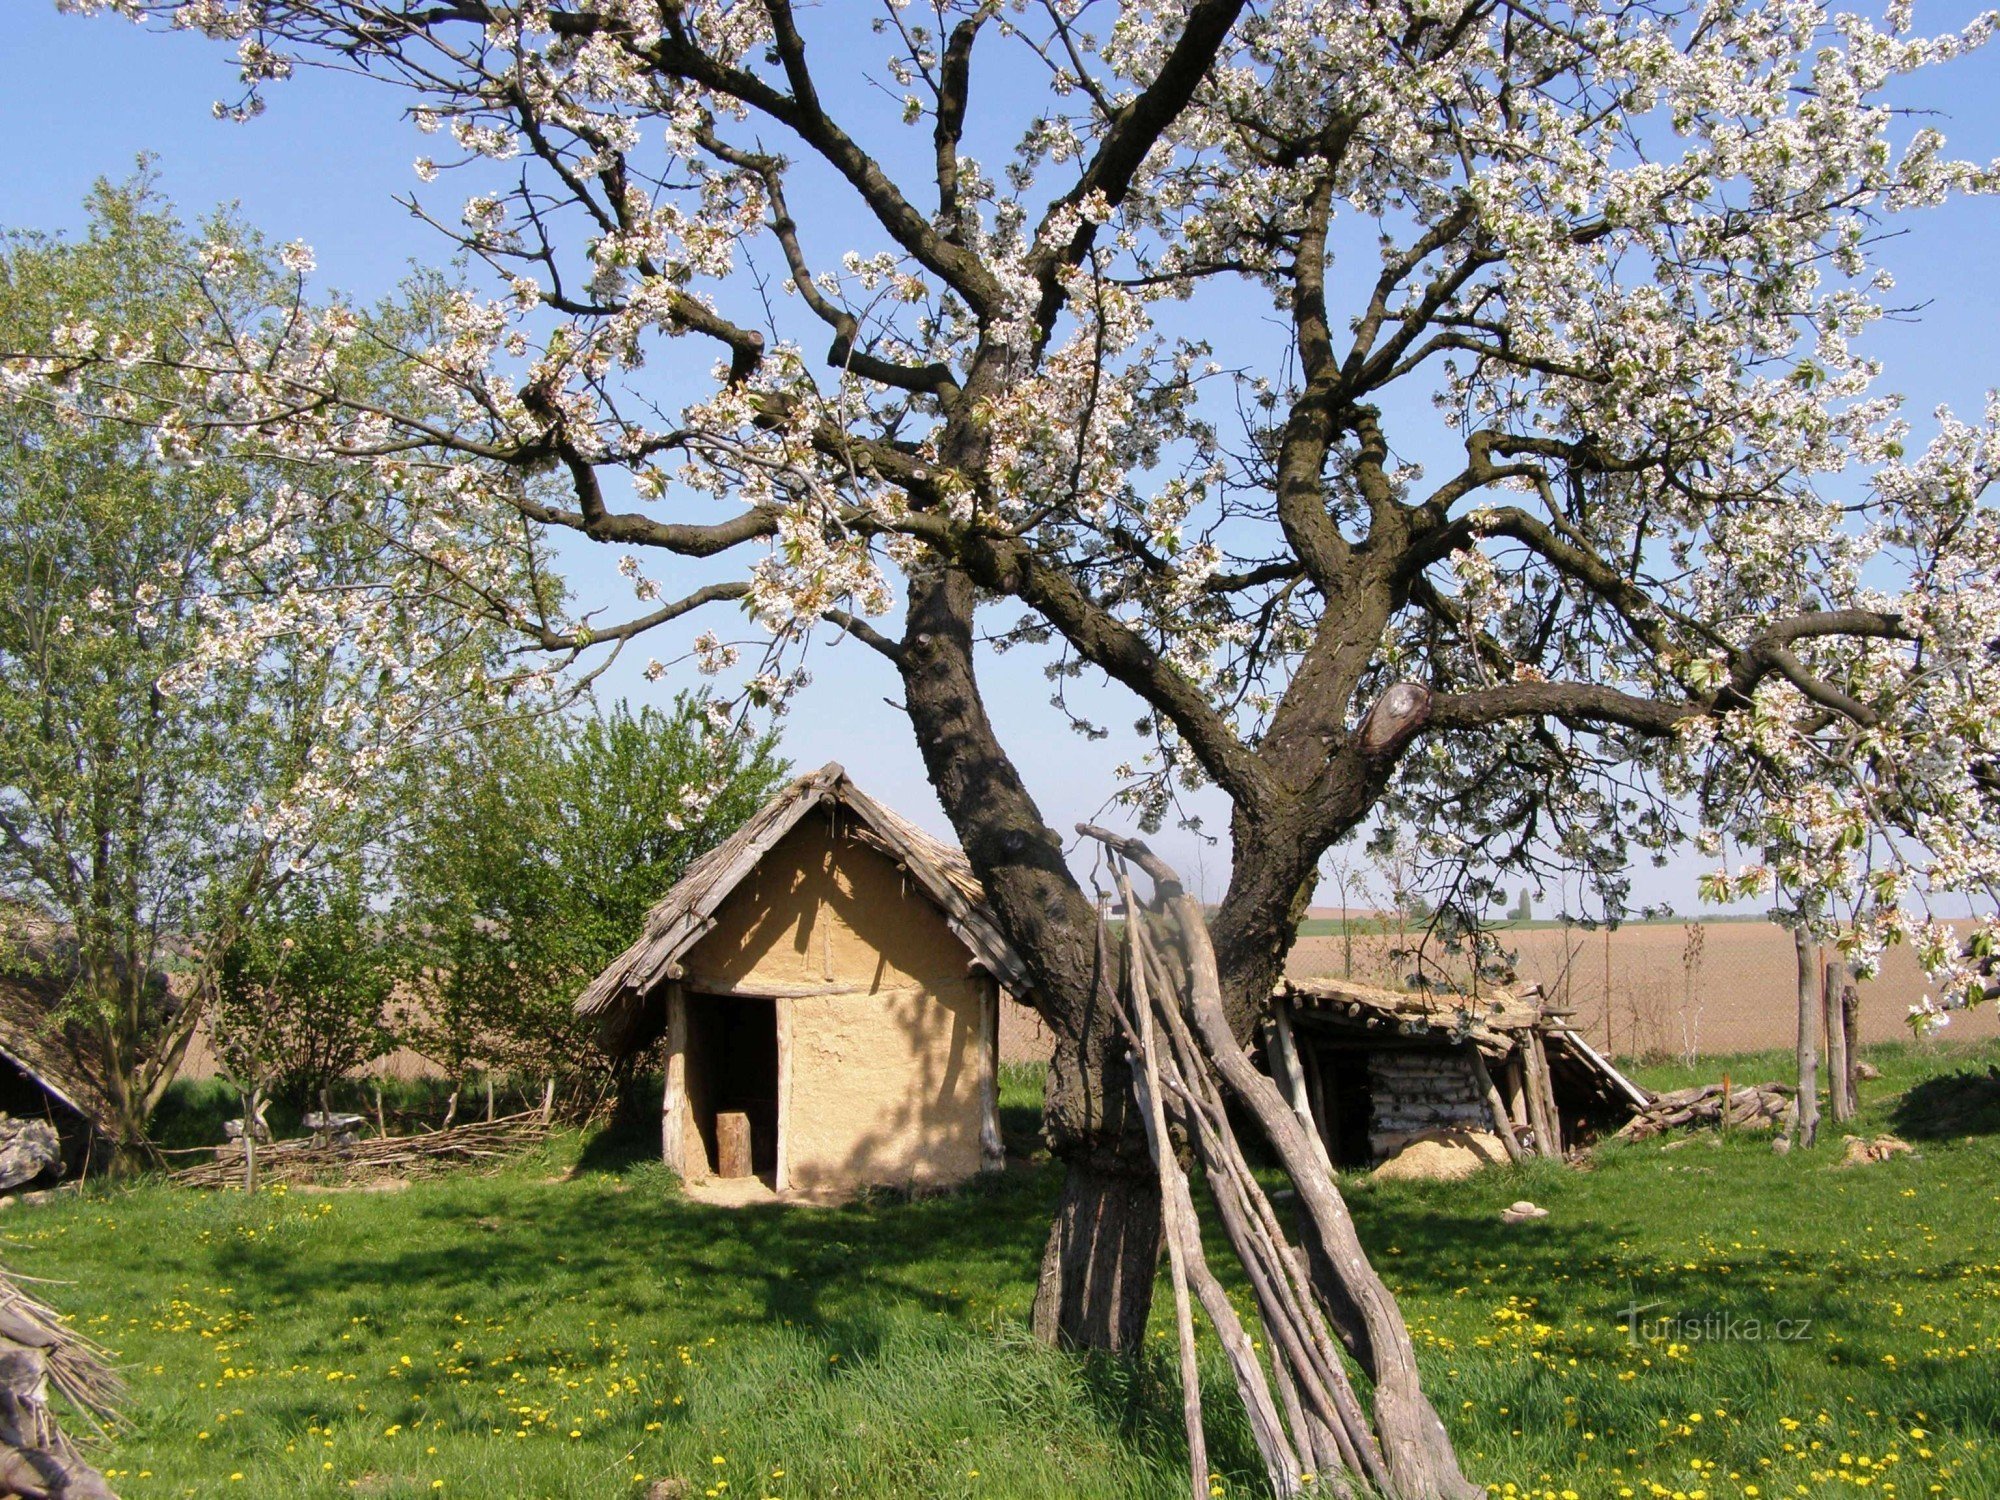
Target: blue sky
pixel 82 98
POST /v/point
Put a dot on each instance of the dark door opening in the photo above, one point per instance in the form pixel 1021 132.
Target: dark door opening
pixel 732 1067
pixel 1348 1104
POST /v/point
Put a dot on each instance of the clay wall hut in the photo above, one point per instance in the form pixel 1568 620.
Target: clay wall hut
pixel 1374 1068
pixel 828 978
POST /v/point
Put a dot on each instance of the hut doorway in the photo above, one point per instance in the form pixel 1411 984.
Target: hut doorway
pixel 1349 1112
pixel 732 1068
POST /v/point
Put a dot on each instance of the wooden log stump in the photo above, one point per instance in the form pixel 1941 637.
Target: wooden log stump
pixel 732 1145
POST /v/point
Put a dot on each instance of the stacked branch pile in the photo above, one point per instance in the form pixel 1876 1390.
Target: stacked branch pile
pixel 1754 1106
pixel 40 1355
pixel 317 1159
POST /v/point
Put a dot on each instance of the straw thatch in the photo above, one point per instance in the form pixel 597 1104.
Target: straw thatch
pixel 33 1046
pixel 617 997
pixel 40 1353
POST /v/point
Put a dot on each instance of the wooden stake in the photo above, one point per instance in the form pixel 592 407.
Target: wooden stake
pixel 1495 1105
pixel 673 1098
pixel 1172 1191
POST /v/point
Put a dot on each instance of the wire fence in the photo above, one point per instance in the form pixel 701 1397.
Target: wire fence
pixel 1655 989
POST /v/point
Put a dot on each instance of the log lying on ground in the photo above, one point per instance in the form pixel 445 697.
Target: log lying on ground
pixel 315 1159
pixel 1754 1106
pixel 40 1354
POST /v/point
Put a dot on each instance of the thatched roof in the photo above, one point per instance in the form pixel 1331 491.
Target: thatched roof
pixel 31 986
pixel 1491 1021
pixel 687 912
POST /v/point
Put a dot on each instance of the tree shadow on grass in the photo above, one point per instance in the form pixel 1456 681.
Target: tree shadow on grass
pixel 1950 1106
pixel 628 1142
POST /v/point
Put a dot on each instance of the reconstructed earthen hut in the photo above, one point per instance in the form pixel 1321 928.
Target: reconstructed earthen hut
pixel 1372 1069
pixel 827 983
pixel 39 1081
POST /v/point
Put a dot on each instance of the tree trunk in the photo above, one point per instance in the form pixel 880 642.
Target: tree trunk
pixel 1095 1289
pixel 1850 1027
pixel 1808 1050
pixel 1096 1283
pixel 1839 1066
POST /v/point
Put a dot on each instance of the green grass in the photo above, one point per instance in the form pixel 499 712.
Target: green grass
pixel 571 1323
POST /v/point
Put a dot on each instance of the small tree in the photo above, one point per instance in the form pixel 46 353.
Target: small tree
pixel 164 765
pixel 543 847
pixel 304 993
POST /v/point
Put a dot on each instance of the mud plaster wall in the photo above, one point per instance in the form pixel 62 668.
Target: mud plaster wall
pixel 885 1085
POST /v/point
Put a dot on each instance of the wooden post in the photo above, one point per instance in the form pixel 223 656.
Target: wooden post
pixel 673 1101
pixel 732 1144
pixel 1541 1096
pixel 1833 1015
pixel 1292 1079
pixel 1850 1028
pixel 992 1150
pixel 1502 1126
pixel 781 1176
pixel 1517 1091
pixel 1808 1050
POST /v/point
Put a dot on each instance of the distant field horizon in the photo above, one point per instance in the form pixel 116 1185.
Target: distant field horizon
pixel 1686 987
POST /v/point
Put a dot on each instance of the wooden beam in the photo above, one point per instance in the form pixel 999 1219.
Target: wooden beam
pixel 1503 1126
pixel 753 988
pixel 673 1101
pixel 992 1149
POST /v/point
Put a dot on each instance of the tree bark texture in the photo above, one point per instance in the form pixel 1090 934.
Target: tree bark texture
pixel 1096 1284
pixel 1839 1062
pixel 1808 1048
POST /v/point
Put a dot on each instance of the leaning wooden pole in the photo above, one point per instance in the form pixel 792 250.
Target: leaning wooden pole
pixel 1408 1454
pixel 1495 1105
pixel 1173 1192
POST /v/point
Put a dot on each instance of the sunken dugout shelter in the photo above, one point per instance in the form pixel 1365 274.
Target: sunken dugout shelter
pixel 1372 1070
pixel 44 1066
pixel 827 985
